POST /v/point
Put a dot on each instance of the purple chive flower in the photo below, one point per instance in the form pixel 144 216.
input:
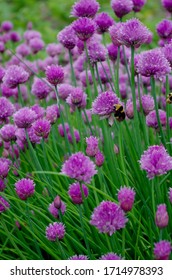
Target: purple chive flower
pixel 121 8
pixel 54 74
pixel 155 161
pixel 99 159
pixel 8 92
pixel 52 113
pixel 4 205
pixel 161 218
pixel 23 50
pixel 30 34
pixel 103 21
pixel 162 250
pixel 4 167
pixel 7 132
pixel 83 78
pixel 2 73
pixel 114 32
pixel 92 146
pixel 14 76
pixel 153 63
pixel 54 211
pixel 2 47
pixel 84 28
pixel 2 185
pixel 167 5
pixel 79 167
pixel 15 37
pixel 147 104
pixel 110 256
pixel 164 29
pixel 6 108
pixel 167 51
pixel 35 139
pixel 67 37
pixel 103 105
pixel 25 188
pixel 64 90
pixel 133 33
pixel 85 8
pixel 77 98
pixel 126 197
pixel 53 49
pixel 108 217
pixel 24 117
pixel 39 111
pixel 55 231
pixel 138 5
pixel 40 88
pixel 78 258
pixel 170 194
pixel 96 52
pixel 112 52
pixel 151 119
pixel 42 128
pixel 36 45
pixel 76 194
pixel 6 26
pixel 61 129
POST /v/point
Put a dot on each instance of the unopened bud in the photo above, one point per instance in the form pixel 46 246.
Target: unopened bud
pixel 57 202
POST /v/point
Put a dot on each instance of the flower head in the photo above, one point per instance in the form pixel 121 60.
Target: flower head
pixel 121 8
pixel 54 211
pixel 54 74
pixel 99 159
pixel 162 250
pixel 108 217
pixel 14 76
pixel 164 29
pixel 25 188
pixel 55 231
pixel 85 8
pixel 42 128
pixel 40 88
pixel 126 197
pixel 110 256
pixel 7 132
pixel 133 33
pixel 161 218
pixel 151 119
pixel 6 26
pixel 36 45
pixel 92 146
pixel 79 167
pixel 156 161
pixel 67 37
pixel 84 28
pixel 76 194
pixel 4 205
pixel 4 167
pixel 153 63
pixel 2 185
pixel 103 21
pixel 114 32
pixel 52 113
pixel 24 117
pixel 112 52
pixel 138 4
pixel 167 5
pixel 147 103
pixel 77 98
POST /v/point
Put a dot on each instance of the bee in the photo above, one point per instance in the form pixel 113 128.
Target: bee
pixel 119 112
pixel 169 98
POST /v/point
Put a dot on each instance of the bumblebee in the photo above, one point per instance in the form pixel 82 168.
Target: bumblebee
pixel 119 112
pixel 169 98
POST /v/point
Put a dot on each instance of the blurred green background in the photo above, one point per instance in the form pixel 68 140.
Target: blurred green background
pixel 50 16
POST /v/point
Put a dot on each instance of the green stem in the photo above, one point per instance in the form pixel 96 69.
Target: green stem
pixel 20 97
pixel 117 73
pixel 72 69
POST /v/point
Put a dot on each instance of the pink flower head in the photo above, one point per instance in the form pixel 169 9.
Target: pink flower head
pixel 52 113
pixel 147 103
pixel 79 167
pixel 61 129
pixel 7 132
pixel 77 98
pixel 161 218
pixel 67 37
pixel 133 33
pixel 39 111
pixel 121 8
pixel 126 197
pixel 167 5
pixel 155 161
pixel 138 5
pixel 76 194
pixel 4 167
pixel 78 258
pixel 36 45
pixel 6 26
pixel 53 49
pixel 108 217
pixel 110 256
pixel 162 250
pixel 4 205
pixel 25 188
pixel 84 28
pixel 151 119
pixel 103 21
pixel 164 29
pixel 99 159
pixel 15 37
pixel 55 231
pixel 96 52
pixel 92 146
pixel 112 52
pixel 24 117
pixel 114 32
pixel 40 88
pixel 42 128
pixel 54 211
pixel 54 74
pixel 64 90
pixel 14 76
pixel 85 8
